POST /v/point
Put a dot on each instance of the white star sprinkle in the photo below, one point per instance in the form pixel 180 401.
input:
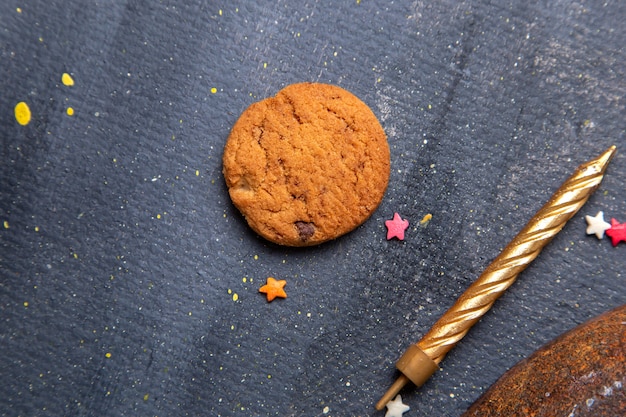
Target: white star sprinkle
pixel 395 408
pixel 597 225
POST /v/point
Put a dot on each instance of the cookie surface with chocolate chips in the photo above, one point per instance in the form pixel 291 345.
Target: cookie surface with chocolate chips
pixel 308 165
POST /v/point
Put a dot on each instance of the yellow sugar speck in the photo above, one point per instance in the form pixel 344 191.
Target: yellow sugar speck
pixel 235 297
pixel 67 79
pixel 108 354
pixel 197 173
pixel 70 111
pixel 213 90
pixel 6 224
pixel 145 397
pixel 40 39
pixel 25 303
pixel 22 113
pixel 19 10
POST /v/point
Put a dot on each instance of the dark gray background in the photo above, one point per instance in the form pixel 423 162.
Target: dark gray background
pixel 488 107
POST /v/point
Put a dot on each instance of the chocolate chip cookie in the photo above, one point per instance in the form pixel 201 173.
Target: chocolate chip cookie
pixel 308 165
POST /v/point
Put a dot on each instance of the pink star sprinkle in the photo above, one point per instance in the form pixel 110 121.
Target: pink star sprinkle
pixel 396 227
pixel 617 232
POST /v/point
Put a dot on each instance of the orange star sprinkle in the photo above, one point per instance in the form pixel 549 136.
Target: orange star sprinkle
pixel 274 288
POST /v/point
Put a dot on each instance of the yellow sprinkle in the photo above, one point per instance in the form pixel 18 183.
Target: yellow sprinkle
pixel 426 219
pixel 158 216
pixel 256 257
pixel 19 10
pixel 70 111
pixel 67 79
pixel 25 303
pixel 75 256
pixel 40 39
pixel 213 90
pixel 235 297
pixel 6 224
pixel 36 228
pixel 220 12
pixel 232 327
pixel 197 173
pixel 108 354
pixel 230 291
pixel 145 397
pixel 265 65
pixel 269 376
pixel 245 279
pixel 22 113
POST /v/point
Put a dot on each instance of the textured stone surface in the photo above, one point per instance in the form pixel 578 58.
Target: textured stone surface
pixel 122 238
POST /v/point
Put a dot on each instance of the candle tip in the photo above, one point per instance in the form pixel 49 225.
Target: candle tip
pixel 608 154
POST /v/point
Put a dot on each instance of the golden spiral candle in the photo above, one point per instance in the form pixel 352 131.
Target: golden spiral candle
pixel 421 360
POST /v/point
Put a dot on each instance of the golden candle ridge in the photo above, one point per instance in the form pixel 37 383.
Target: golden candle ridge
pixel 421 360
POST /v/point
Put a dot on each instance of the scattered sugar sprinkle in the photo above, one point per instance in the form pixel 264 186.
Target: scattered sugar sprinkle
pixel 67 79
pixel 426 219
pixel 22 113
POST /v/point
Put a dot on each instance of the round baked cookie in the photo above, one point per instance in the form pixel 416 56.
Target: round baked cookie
pixel 308 165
